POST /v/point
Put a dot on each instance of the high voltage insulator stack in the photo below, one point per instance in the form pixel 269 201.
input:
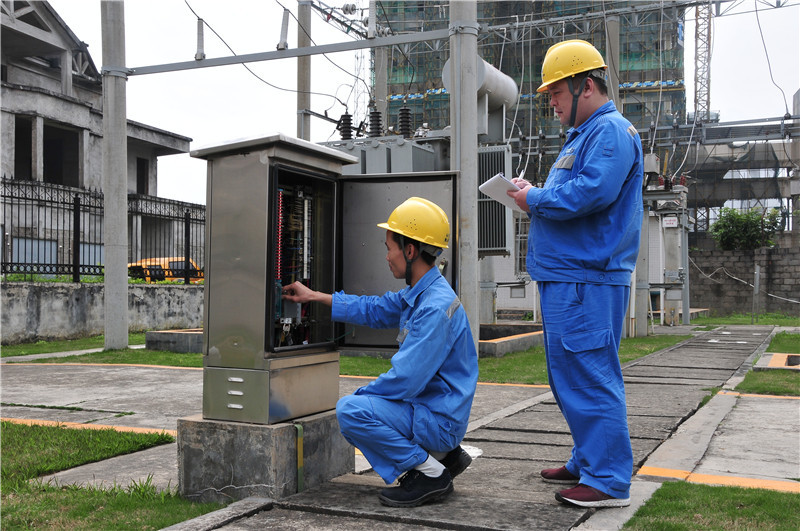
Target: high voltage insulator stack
pixel 375 125
pixel 346 126
pixel 404 122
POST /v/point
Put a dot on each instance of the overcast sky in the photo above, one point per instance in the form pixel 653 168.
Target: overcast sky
pixel 216 105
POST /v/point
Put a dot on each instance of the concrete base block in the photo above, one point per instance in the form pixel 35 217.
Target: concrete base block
pixel 189 340
pixel 222 460
pixel 497 348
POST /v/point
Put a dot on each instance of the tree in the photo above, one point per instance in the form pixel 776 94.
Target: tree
pixel 745 231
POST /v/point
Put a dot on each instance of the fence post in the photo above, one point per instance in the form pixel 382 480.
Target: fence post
pixel 76 238
pixel 186 234
pixel 754 315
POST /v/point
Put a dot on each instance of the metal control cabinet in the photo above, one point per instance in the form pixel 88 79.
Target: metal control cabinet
pixel 278 211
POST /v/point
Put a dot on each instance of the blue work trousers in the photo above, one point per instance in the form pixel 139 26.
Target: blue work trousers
pixel 395 436
pixel 582 330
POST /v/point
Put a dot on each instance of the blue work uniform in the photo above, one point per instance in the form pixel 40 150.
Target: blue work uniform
pixel 582 248
pixel 423 402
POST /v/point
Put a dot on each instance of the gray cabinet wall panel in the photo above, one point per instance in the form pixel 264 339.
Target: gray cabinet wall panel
pixel 365 271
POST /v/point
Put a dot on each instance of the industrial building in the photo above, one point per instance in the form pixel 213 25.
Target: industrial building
pixel 742 165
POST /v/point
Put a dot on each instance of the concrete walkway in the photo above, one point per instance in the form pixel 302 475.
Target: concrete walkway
pixel 514 432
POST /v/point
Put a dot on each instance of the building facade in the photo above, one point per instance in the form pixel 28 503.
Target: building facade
pixel 52 142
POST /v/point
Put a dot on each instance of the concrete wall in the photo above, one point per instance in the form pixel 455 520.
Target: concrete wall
pixel 32 311
pixel 722 295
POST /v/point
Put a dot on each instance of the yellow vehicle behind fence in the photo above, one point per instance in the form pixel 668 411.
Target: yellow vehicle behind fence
pixel 171 268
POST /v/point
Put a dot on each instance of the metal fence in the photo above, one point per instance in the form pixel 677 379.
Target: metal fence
pixel 50 230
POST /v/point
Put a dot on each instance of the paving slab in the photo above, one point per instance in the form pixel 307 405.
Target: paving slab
pixel 684 450
pixel 657 371
pixel 642 448
pixel 158 466
pixel 606 520
pixel 230 514
pixel 640 426
pixel 515 431
pixel 300 520
pixel 664 398
pixel 545 419
pixel 54 414
pixel 461 510
pixel 645 398
pixel 477 437
pixel 773 454
pixel 157 396
pixel 517 451
pixel 700 357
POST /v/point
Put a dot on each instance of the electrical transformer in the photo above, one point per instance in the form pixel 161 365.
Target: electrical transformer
pixel 279 211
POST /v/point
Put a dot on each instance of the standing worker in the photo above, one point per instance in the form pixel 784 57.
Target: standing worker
pixel 582 247
pixel 412 418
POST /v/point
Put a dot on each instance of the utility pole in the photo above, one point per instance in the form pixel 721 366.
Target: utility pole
pixel 612 59
pixel 303 70
pixel 464 152
pixel 115 174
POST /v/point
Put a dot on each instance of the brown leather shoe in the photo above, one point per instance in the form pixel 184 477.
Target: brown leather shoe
pixel 559 475
pixel 586 496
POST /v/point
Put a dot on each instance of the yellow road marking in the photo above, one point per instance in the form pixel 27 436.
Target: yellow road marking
pixel 780 397
pixel 781 360
pixel 728 481
pixel 77 425
pixel 107 365
pixel 505 338
pixel 663 472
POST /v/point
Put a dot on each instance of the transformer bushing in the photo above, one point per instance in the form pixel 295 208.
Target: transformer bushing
pixel 375 125
pixel 346 126
pixel 404 119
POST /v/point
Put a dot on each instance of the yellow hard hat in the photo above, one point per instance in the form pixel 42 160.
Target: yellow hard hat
pixel 568 58
pixel 421 220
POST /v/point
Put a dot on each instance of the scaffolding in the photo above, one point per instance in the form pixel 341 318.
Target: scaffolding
pixel 515 36
pixel 650 71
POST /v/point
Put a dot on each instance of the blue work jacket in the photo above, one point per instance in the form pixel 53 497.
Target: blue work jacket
pixel 586 220
pixel 436 365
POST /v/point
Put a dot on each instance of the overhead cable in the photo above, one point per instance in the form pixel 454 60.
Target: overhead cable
pixel 250 70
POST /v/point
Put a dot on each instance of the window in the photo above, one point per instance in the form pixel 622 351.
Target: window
pixel 491 214
pixel 142 176
pixel 60 156
pixel 33 251
pixel 23 145
pixel 521 226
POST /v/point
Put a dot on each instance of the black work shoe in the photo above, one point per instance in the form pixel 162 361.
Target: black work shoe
pixel 456 461
pixel 416 488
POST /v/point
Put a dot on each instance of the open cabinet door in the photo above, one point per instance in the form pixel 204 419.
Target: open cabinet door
pixel 366 201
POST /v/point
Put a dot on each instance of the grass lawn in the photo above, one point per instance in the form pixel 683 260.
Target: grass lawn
pixel 676 505
pixel 687 506
pixel 43 347
pixel 775 319
pixel 130 356
pixel 527 367
pixel 33 451
pixel 785 343
pixel 775 382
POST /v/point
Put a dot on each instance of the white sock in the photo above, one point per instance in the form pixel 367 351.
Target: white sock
pixel 431 467
pixel 439 455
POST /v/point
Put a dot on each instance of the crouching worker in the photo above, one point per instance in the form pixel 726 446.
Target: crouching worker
pixel 409 422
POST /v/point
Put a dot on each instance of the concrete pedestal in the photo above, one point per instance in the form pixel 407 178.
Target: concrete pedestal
pixel 222 460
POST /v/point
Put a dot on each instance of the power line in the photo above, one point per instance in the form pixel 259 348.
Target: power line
pixel 769 64
pixel 250 70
